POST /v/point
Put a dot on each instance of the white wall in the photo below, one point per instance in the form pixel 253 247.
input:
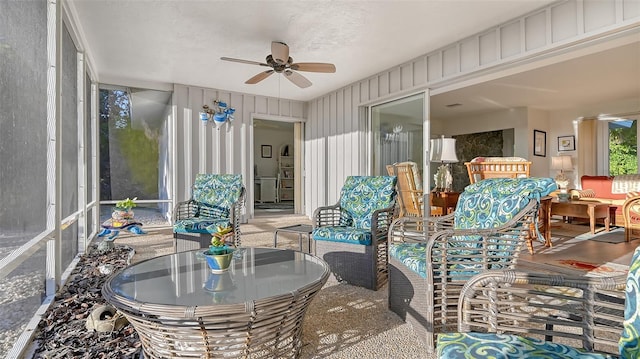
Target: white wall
pixel 276 138
pixel 539 120
pixel 201 148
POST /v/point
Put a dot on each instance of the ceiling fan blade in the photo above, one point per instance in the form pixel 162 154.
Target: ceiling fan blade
pixel 249 62
pixel 280 52
pixel 259 77
pixel 314 67
pixel 297 79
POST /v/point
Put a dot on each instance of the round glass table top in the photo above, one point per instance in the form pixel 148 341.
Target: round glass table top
pixel 185 278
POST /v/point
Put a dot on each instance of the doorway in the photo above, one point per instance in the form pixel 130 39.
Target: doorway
pixel 275 167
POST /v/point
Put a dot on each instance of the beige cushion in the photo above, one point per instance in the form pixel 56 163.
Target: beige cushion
pixel 585 193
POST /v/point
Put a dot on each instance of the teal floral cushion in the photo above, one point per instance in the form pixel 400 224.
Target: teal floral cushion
pixel 343 234
pixel 493 202
pixel 505 346
pixel 218 191
pixel 199 225
pixel 363 195
pixel 412 255
pixel 630 339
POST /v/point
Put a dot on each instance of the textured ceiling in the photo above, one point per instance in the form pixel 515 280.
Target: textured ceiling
pixel 137 42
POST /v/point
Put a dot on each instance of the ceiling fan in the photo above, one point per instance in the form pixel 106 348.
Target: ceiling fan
pixel 280 62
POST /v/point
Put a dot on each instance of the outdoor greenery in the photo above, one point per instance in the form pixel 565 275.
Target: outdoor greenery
pixel 128 154
pixel 623 148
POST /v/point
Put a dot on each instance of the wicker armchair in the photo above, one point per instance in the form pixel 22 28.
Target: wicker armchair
pixel 631 215
pixel 410 195
pixel 526 315
pixel 352 235
pixel 430 259
pixel 217 200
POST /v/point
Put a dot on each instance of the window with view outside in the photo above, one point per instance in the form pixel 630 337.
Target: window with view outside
pixel 623 147
pixel 133 142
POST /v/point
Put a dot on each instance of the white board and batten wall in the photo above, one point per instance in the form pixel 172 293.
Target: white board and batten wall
pixel 202 148
pixel 335 135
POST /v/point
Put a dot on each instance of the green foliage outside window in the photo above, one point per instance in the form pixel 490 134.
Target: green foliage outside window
pixel 623 149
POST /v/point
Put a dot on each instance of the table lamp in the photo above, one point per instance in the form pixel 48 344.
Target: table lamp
pixel 443 150
pixel 562 163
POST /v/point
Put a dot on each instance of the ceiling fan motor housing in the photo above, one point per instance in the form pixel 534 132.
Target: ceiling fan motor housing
pixel 278 66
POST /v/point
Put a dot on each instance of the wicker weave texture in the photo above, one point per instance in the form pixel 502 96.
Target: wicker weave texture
pixel 582 312
pixel 364 266
pixel 268 328
pixel 452 258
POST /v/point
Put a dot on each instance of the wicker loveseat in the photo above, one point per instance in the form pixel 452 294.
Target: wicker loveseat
pixel 430 259
pixel 216 200
pixel 352 235
pixel 538 315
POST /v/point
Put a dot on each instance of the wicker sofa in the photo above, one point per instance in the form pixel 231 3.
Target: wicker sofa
pixel 430 259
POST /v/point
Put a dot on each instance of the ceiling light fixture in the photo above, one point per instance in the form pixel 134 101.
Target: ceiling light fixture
pixel 219 113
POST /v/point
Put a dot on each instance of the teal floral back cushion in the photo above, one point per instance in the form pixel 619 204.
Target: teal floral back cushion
pixel 218 191
pixel 630 338
pixel 493 202
pixel 363 195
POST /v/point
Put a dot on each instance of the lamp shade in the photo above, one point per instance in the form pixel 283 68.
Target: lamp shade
pixel 562 163
pixel 443 150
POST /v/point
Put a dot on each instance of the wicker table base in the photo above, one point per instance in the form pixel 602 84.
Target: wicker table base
pixel 255 310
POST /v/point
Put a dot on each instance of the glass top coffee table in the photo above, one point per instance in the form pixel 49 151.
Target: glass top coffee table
pixel 180 308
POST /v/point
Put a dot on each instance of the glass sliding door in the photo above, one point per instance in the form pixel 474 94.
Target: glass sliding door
pixel 397 132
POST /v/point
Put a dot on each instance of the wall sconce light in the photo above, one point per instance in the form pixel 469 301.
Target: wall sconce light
pixel 219 113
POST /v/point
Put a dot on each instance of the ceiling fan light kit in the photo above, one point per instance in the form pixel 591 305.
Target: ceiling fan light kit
pixel 280 62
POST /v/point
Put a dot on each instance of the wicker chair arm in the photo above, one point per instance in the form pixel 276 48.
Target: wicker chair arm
pixel 380 221
pixel 631 205
pixel 327 216
pixel 587 310
pixel 411 229
pixel 185 209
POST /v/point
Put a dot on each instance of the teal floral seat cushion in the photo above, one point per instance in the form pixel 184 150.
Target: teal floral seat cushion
pixel 505 346
pixel 216 193
pixel 414 257
pixel 198 225
pixel 343 234
pixel 360 197
pixel 411 255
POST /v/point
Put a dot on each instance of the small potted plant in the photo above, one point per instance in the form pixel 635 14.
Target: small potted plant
pixel 219 254
pixel 123 210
